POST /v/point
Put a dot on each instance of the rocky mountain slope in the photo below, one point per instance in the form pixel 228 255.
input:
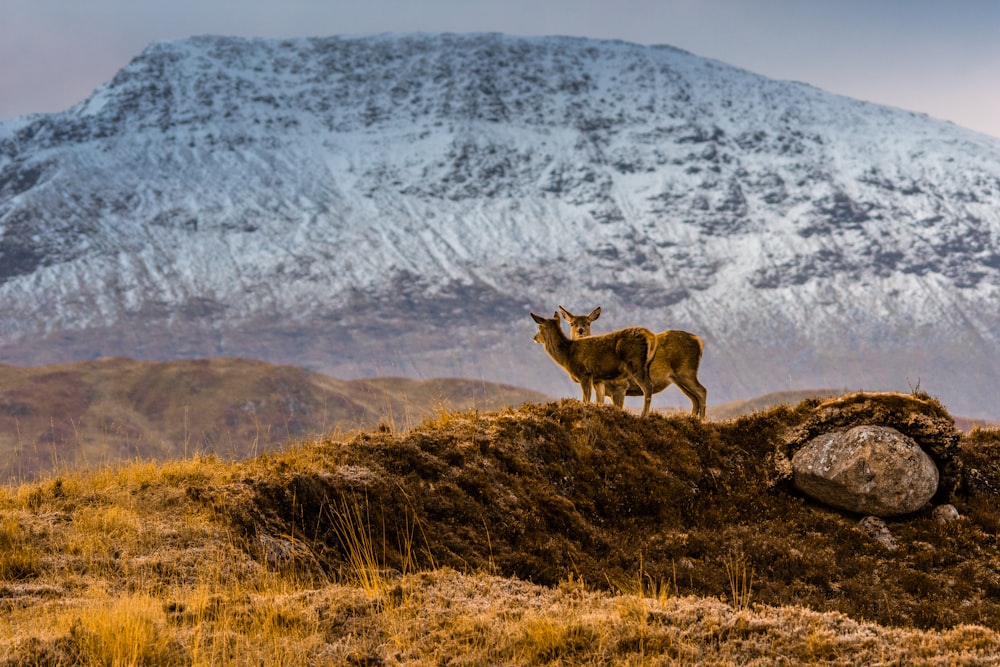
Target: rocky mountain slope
pixel 395 205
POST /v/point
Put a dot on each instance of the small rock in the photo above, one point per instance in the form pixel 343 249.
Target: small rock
pixel 945 514
pixel 282 552
pixel 867 469
pixel 977 483
pixel 876 529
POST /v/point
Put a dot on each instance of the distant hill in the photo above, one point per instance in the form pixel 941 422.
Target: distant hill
pixel 748 406
pixel 117 409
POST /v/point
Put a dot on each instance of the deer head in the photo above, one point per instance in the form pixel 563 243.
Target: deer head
pixel 546 327
pixel 579 325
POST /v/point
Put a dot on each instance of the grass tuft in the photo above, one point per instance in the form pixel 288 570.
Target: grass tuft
pixel 354 531
pixel 740 577
pixel 19 559
pixel 122 632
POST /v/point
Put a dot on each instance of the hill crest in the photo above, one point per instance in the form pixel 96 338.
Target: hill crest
pixel 637 528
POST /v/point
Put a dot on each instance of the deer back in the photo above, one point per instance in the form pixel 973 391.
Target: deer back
pixel 615 355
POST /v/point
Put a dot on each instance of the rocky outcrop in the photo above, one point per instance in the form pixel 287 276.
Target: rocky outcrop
pixel 868 469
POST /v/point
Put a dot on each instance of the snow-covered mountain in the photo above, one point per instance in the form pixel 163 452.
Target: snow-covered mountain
pixel 397 204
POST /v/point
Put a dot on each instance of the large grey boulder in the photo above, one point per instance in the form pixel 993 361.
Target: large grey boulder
pixel 867 469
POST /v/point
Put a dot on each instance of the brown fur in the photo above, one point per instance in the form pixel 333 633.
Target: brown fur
pixel 678 355
pixel 623 355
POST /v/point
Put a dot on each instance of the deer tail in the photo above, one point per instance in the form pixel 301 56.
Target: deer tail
pixel 651 343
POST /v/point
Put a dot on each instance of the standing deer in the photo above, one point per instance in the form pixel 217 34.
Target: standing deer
pixel 623 355
pixel 678 354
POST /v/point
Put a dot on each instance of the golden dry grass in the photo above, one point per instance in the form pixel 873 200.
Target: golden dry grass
pixel 154 564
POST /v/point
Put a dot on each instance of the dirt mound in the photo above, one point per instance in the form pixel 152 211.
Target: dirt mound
pixel 563 490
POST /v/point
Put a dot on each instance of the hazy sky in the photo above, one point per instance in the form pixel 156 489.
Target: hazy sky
pixel 940 57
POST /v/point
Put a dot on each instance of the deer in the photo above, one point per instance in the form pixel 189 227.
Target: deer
pixel 677 356
pixel 623 355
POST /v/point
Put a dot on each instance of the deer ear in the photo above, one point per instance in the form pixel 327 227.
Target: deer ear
pixel 538 318
pixel 568 316
pixel 594 314
pixel 555 316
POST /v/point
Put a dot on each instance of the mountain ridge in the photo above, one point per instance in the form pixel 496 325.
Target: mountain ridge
pixel 397 204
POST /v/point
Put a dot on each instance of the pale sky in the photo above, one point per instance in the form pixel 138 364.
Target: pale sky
pixel 939 57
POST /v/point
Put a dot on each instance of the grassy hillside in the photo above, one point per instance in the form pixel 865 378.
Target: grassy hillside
pixel 115 409
pixel 555 533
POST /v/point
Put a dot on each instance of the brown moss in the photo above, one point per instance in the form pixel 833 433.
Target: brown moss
pixel 560 490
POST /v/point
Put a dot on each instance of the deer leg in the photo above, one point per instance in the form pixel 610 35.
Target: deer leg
pixel 585 384
pixel 647 391
pixel 640 376
pixel 696 392
pixel 618 394
pixel 599 392
pixel 647 397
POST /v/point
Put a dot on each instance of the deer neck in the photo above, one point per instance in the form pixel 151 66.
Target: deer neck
pixel 558 347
